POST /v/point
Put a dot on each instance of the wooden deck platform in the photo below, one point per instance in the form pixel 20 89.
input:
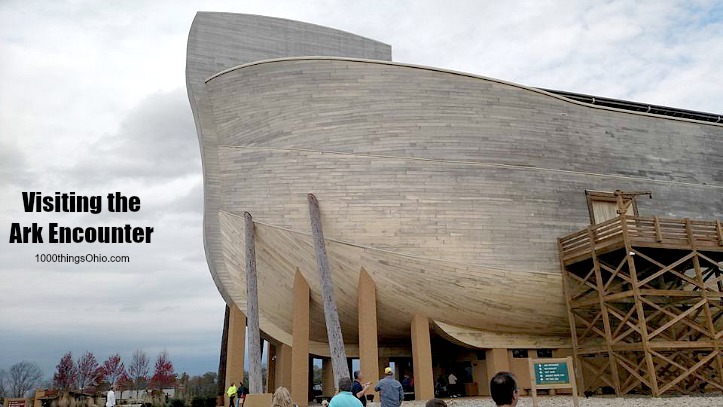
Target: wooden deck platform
pixel 642 232
pixel 645 303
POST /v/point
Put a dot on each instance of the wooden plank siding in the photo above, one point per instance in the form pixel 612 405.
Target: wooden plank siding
pixel 449 189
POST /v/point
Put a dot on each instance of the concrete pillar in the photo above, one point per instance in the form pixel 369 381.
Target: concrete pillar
pixel 497 360
pixel 270 367
pixel 283 366
pixel 368 340
pixel 236 348
pixel 328 387
pixel 422 358
pixel 300 345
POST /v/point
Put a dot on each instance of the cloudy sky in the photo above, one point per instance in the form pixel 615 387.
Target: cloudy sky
pixel 93 101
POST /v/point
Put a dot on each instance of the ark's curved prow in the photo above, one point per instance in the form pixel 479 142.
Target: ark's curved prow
pixel 218 41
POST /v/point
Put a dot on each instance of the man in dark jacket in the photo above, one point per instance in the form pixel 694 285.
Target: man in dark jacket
pixel 359 389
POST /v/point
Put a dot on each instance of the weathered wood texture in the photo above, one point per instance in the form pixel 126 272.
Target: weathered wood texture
pixel 219 41
pixel 443 186
pixel 331 317
pixel 255 384
pixel 448 167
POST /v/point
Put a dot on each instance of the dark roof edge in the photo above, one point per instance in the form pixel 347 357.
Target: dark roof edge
pixel 639 107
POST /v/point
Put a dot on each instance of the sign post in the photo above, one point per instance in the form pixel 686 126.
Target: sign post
pixel 554 373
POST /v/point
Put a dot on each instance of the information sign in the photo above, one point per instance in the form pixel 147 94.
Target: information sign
pixel 16 402
pixel 553 373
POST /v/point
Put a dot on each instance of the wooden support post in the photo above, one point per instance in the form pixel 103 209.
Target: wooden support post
pixel 658 233
pixel 236 347
pixel 497 360
pixel 333 327
pixel 642 321
pixel 606 316
pixel 283 366
pixel 422 358
pixel 221 383
pixel 255 384
pixel 710 322
pixel 719 231
pixel 368 342
pixel 300 365
pixel 571 317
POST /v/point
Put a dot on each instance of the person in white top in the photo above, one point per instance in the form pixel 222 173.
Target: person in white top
pixel 110 398
pixel 452 380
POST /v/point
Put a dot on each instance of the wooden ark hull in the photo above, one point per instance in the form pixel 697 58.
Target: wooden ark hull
pixel 448 189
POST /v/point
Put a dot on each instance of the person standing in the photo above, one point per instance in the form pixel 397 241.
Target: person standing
pixel 452 380
pixel 232 390
pixel 390 390
pixel 345 398
pixel 240 395
pixel 110 397
pixel 359 389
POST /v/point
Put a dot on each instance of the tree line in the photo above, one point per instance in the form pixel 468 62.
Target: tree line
pixel 86 375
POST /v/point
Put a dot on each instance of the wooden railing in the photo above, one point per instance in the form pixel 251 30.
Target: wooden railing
pixel 648 231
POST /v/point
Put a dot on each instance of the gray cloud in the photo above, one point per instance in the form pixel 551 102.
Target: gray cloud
pixel 156 142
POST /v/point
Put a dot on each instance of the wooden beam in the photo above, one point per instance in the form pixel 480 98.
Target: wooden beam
pixel 368 340
pixel 221 383
pixel 422 358
pixel 709 317
pixel 606 321
pixel 300 346
pixel 333 327
pixel 255 384
pixel 571 317
pixel 283 366
pixel 652 378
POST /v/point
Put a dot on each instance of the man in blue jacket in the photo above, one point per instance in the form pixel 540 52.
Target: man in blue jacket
pixel 390 390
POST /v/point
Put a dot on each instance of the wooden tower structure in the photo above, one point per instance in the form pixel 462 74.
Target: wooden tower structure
pixel 645 302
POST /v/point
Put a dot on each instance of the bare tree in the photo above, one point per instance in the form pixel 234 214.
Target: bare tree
pixel 23 377
pixel 138 369
pixel 2 383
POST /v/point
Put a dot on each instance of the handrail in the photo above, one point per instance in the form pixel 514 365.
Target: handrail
pixel 646 230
